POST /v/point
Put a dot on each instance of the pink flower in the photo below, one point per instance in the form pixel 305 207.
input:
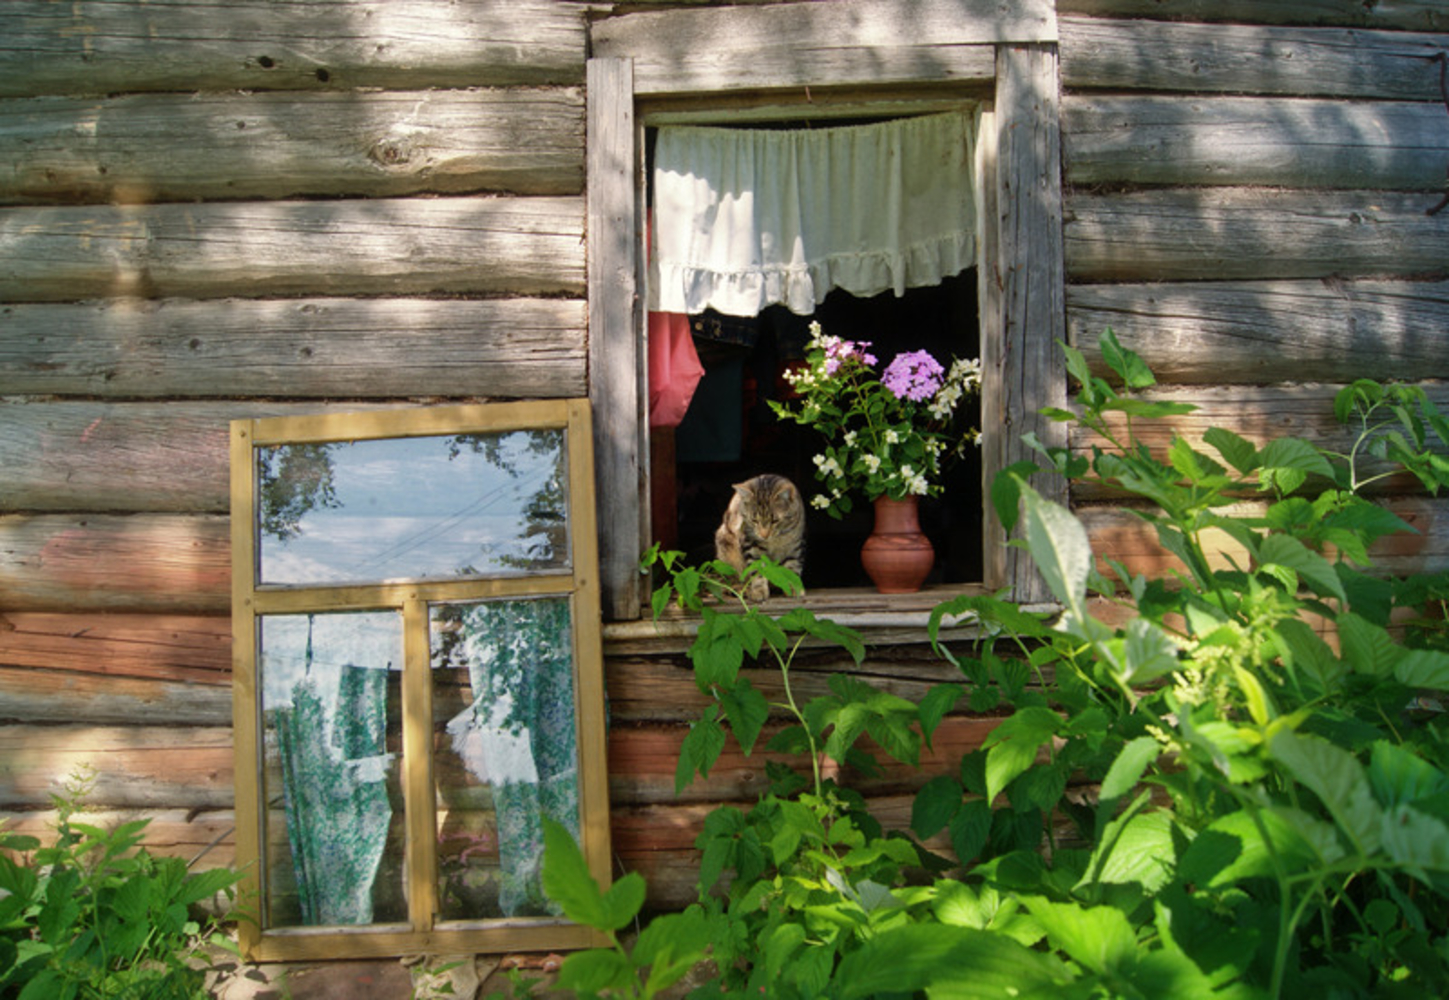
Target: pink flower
pixel 914 375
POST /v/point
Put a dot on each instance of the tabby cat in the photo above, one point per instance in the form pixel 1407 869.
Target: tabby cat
pixel 765 517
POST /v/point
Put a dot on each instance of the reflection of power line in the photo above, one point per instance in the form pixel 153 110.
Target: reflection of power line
pixel 484 503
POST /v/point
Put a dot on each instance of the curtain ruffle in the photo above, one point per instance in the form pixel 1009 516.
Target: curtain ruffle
pixel 747 218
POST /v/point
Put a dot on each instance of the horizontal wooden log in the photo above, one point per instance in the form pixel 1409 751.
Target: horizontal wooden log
pixel 1270 331
pixel 296 348
pixel 166 563
pixel 128 457
pixel 1191 141
pixel 486 246
pixel 1257 413
pixel 205 836
pixel 1412 15
pixel 64 696
pixel 110 46
pixel 1252 233
pixel 135 767
pixel 195 649
pixel 848 43
pixel 1105 54
pixel 643 758
pixel 1116 533
pixel 148 148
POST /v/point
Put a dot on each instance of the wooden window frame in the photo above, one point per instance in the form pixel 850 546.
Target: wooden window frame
pixel 843 57
pixel 412 599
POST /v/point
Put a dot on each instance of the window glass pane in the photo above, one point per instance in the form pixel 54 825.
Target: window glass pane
pixel 331 740
pixel 410 508
pixel 507 750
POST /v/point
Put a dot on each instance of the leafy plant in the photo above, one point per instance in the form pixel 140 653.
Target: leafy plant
pixel 94 915
pixel 1240 791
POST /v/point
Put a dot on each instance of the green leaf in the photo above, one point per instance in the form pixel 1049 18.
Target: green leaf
pixel 1149 652
pixel 702 746
pixel 970 828
pixel 1305 653
pixel 671 945
pixel 1006 492
pixel 1285 550
pixel 1401 777
pixel 1286 463
pixel 1141 851
pixel 1133 370
pixel 934 706
pixel 1058 545
pixel 1339 781
pixel 1012 746
pixel 1423 668
pixel 1232 848
pixel 1367 647
pixel 1097 937
pixel 1129 766
pixel 569 883
pixel 949 963
pixel 936 804
pixel 1239 452
pixel 747 710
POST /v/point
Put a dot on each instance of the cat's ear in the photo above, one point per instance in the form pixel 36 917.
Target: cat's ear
pixel 743 489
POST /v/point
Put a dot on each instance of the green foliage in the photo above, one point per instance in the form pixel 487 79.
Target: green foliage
pixel 1271 808
pixel 94 915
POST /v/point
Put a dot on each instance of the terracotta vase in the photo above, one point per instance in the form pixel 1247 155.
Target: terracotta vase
pixel 897 556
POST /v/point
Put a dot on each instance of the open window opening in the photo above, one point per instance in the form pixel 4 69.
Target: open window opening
pixel 728 433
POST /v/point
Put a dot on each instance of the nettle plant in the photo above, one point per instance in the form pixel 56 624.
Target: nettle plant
pixel 1241 792
pixel 95 915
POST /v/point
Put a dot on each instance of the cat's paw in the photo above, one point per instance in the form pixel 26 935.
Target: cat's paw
pixel 758 589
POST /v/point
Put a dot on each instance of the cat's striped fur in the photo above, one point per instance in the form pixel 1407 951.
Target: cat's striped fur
pixel 765 517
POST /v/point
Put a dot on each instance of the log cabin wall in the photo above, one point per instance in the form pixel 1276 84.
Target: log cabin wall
pixel 209 212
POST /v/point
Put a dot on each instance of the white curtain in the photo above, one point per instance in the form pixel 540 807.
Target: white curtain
pixel 746 218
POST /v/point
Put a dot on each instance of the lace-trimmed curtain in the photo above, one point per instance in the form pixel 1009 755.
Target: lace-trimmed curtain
pixel 747 218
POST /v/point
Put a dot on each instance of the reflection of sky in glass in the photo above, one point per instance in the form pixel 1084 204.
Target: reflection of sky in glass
pixel 337 640
pixel 409 508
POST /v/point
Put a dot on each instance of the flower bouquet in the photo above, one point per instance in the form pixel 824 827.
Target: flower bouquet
pixel 888 435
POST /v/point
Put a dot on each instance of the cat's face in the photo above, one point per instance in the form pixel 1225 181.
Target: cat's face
pixel 766 508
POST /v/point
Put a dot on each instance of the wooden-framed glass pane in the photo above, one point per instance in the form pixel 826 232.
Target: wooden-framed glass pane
pixel 506 752
pixel 418 676
pixel 341 512
pixel 331 739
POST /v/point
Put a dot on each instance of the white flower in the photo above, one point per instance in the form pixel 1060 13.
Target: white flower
pixel 828 466
pixel 820 501
pixel 872 463
pixel 891 437
pixel 850 439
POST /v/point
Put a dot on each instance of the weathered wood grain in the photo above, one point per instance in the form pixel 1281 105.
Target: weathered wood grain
pixel 617 360
pixel 849 43
pixel 1252 233
pixel 116 457
pixel 194 649
pixel 1412 15
pixel 1116 533
pixel 499 245
pixel 136 767
pixel 1254 141
pixel 140 148
pixel 1021 372
pixel 111 46
pixel 296 348
pixel 1108 54
pixel 1270 331
pixel 70 697
pixel 164 563
pixel 1257 413
pixel 204 835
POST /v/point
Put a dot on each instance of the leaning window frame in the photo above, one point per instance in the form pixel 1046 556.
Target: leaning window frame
pixel 412 599
pixel 868 62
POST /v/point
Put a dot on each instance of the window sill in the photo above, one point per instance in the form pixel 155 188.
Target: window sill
pixel 881 619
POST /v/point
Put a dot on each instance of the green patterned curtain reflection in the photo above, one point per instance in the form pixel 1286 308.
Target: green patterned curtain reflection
pixel 517 734
pixel 334 775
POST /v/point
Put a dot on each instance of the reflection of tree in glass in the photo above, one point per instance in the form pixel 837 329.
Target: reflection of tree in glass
pixel 292 481
pixel 544 510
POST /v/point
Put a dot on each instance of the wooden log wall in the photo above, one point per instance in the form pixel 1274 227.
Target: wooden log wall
pixel 289 207
pixel 1250 194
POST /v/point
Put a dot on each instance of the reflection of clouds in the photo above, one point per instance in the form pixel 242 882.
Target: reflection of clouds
pixel 406 509
pixel 493 751
pixel 365 639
